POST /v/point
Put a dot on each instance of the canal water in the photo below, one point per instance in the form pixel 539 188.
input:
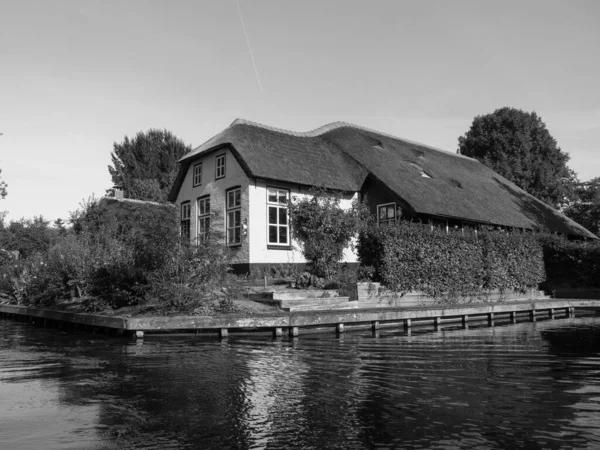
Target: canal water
pixel 530 385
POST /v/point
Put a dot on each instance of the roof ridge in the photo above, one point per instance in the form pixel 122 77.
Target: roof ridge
pixel 341 124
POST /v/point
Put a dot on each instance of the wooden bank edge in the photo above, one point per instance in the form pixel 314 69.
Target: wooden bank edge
pixel 374 318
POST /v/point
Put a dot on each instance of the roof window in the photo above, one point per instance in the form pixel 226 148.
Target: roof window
pixel 456 183
pixel 420 169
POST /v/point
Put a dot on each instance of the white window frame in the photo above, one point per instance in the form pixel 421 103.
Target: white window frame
pixel 203 227
pixel 220 166
pixel 279 207
pixel 197 174
pixel 233 226
pixel 186 219
pixel 387 220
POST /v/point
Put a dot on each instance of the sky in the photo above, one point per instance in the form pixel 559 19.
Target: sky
pixel 77 76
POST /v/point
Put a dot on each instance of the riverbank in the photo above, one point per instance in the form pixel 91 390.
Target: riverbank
pixel 300 322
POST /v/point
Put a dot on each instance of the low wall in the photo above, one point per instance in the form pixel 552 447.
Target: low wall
pixel 370 295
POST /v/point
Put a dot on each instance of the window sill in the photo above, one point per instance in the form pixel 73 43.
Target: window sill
pixel 234 245
pixel 279 247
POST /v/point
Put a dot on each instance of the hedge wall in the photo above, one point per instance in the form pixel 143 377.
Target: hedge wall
pixel 571 263
pixel 454 266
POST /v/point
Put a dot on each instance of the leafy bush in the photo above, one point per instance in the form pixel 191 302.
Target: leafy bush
pixel 323 229
pixel 571 263
pixel 454 266
pixel 121 254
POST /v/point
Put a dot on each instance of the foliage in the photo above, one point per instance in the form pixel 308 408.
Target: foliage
pixel 125 254
pixel 454 266
pixel 323 229
pixel 572 263
pixel 27 236
pixel 145 167
pixel 195 275
pixel 3 187
pixel 517 145
pixel 586 210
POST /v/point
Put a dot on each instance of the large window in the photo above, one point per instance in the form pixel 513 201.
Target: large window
pixel 234 216
pixel 277 216
pixel 203 218
pixel 186 208
pixel 386 214
pixel 197 174
pixel 220 166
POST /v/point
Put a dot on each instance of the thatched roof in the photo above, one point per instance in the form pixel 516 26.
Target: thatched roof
pixel 341 156
pixel 268 153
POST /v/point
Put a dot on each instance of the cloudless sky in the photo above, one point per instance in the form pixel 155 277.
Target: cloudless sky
pixel 76 76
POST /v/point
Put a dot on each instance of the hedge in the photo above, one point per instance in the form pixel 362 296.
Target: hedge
pixel 571 263
pixel 458 265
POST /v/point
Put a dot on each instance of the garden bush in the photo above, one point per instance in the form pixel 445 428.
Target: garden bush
pixel 323 229
pixel 453 266
pixel 571 263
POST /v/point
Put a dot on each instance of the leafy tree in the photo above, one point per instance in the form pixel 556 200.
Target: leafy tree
pixel 145 167
pixel 586 210
pixel 2 187
pixel 59 225
pixel 517 145
pixel 28 236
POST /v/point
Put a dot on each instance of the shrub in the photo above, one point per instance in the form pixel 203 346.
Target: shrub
pixel 451 266
pixel 323 229
pixel 571 263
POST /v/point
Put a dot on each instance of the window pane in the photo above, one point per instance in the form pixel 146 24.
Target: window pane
pixel 273 234
pixel 382 212
pixel 283 197
pixel 391 212
pixel 272 214
pixel 283 235
pixel 272 196
pixel 282 216
pixel 237 197
pixel 230 219
pixel 238 218
pixel 230 236
pixel 238 233
pixel 230 199
pixel 207 205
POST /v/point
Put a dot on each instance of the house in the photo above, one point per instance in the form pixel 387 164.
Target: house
pixel 248 173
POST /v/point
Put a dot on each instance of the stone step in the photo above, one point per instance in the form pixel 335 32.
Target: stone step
pixel 333 301
pixel 321 306
pixel 297 294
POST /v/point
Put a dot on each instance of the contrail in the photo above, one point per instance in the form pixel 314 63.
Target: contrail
pixel 249 48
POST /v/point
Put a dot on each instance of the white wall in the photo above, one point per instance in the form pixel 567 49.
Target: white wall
pixel 258 229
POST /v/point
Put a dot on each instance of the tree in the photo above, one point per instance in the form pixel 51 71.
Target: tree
pixel 2 187
pixel 517 145
pixel 145 167
pixel 586 210
pixel 28 236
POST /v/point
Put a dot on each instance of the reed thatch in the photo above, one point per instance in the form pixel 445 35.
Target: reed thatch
pixel 341 156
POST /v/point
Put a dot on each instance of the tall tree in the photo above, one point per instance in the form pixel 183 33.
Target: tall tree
pixel 586 210
pixel 517 145
pixel 145 167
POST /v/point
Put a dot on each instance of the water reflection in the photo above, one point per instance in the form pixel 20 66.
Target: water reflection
pixel 532 385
